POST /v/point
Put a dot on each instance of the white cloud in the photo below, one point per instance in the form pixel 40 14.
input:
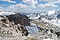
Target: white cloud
pixel 21 5
pixel 1 7
pixel 50 3
pixel 57 1
pixel 8 1
pixel 31 2
pixel 50 0
pixel 19 8
pixel 47 5
pixel 25 8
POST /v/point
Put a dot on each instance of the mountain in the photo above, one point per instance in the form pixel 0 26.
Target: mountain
pixel 43 25
pixel 6 13
pixel 52 16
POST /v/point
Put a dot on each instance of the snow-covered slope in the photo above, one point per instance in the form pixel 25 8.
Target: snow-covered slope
pixel 48 16
pixel 6 13
pixel 51 12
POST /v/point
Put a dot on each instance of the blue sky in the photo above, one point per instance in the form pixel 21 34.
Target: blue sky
pixel 6 4
pixel 29 5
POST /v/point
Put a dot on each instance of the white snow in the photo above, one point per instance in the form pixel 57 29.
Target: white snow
pixel 34 18
pixel 48 39
pixel 51 12
pixel 6 13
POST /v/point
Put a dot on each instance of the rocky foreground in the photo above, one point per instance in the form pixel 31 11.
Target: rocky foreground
pixel 19 27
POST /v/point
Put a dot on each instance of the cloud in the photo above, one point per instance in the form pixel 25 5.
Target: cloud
pixel 21 8
pixel 18 8
pixel 50 0
pixel 8 1
pixel 31 2
pixel 50 3
pixel 53 1
pixel 46 5
pixel 57 2
pixel 1 7
pixel 21 5
pixel 34 3
pixel 33 6
pixel 26 8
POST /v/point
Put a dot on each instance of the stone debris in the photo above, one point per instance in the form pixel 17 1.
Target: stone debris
pixel 21 28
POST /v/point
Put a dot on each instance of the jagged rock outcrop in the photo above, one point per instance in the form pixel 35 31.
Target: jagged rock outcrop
pixel 19 19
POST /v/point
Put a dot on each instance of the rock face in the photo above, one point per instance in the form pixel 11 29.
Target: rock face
pixel 24 31
pixel 57 33
pixel 19 19
pixel 16 21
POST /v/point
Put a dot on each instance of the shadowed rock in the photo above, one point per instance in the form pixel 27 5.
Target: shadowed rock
pixel 24 31
pixel 57 33
pixel 19 19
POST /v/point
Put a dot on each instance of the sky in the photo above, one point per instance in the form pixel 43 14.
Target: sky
pixel 29 5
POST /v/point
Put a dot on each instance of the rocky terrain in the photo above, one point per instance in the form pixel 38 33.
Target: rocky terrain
pixel 28 27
